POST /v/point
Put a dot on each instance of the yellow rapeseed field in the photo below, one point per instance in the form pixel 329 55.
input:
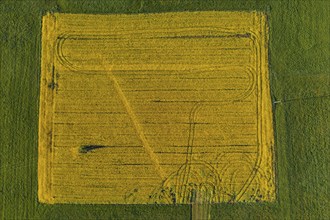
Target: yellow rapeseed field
pixel 155 108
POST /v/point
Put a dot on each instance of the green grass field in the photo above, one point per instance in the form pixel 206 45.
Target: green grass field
pixel 300 81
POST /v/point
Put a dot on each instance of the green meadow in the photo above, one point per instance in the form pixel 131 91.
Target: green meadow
pixel 300 82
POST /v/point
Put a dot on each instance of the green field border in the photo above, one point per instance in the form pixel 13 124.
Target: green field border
pixel 300 82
